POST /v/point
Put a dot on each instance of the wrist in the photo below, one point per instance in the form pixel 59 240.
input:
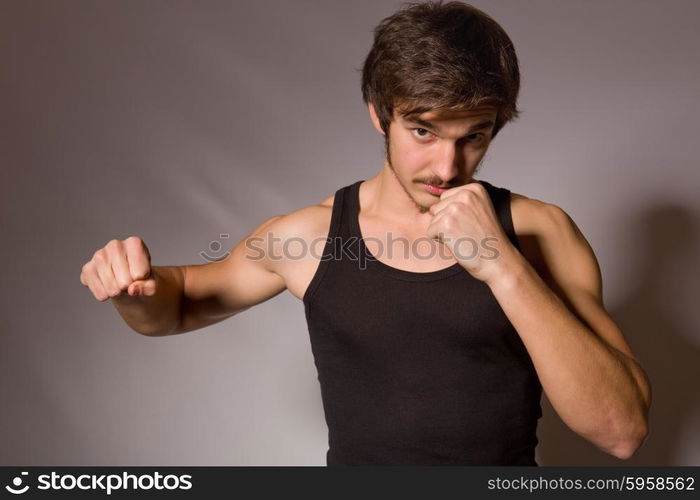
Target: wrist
pixel 511 267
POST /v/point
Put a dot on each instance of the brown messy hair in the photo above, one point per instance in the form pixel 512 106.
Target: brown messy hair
pixel 436 55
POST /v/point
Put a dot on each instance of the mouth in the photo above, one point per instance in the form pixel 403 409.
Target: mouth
pixel 435 190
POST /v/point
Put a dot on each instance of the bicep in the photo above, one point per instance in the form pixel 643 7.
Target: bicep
pixel 218 290
pixel 573 273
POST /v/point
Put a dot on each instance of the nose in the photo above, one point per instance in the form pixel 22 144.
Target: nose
pixel 446 165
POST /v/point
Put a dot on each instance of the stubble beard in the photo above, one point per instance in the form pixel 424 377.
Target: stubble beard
pixel 387 151
pixel 421 208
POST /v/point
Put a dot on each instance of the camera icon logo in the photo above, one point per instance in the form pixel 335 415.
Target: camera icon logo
pixel 17 482
pixel 216 248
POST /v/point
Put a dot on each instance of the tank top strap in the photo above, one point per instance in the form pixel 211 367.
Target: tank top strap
pixel 500 197
pixel 344 206
pixel 339 210
pixel 338 234
pixel 350 210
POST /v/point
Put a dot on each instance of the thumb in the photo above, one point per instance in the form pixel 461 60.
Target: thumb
pixel 145 287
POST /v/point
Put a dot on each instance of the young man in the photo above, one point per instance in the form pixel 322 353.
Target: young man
pixel 435 351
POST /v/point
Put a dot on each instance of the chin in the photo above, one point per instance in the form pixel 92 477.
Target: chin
pixel 424 202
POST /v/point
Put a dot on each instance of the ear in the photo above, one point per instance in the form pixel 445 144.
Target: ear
pixel 375 119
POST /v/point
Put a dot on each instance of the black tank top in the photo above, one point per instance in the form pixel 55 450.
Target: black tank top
pixel 416 368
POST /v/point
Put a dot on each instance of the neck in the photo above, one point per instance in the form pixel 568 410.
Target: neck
pixel 385 199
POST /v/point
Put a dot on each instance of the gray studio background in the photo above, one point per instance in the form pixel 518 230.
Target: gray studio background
pixel 181 121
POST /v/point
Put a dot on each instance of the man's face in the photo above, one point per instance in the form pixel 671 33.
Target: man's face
pixel 438 149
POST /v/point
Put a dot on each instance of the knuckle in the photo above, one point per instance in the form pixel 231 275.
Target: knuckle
pixel 113 247
pixel 133 240
pixel 97 293
pixel 478 191
pixel 136 246
pixel 123 284
pixel 140 273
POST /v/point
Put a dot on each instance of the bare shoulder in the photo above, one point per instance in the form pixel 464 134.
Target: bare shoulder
pixel 533 215
pixel 295 242
pixel 305 222
pixel 544 230
pixel 294 238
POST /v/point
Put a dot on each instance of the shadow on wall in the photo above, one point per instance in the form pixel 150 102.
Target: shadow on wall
pixel 659 321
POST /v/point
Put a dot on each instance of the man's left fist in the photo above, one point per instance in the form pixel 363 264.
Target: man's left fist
pixel 465 221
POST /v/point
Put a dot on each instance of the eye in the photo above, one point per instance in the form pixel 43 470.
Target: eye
pixel 476 139
pixel 419 133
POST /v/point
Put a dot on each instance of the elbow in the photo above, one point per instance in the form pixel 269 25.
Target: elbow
pixel 627 449
pixel 147 331
pixel 633 429
pixel 630 441
pixel 158 328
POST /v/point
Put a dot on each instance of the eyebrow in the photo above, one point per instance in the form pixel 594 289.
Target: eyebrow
pixel 432 126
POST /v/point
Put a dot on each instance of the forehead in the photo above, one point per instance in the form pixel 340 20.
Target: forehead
pixel 443 115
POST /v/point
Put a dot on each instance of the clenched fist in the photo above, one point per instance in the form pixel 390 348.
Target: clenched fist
pixel 120 266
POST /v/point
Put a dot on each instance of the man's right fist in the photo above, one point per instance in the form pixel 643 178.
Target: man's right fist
pixel 120 266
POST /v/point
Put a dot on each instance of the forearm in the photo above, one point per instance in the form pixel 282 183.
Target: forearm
pixel 159 314
pixel 595 388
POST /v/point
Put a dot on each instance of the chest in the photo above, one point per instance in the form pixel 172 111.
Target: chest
pixel 402 250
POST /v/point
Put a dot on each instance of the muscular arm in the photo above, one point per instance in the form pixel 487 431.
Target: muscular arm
pixel 218 290
pixel 586 367
pixel 194 296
